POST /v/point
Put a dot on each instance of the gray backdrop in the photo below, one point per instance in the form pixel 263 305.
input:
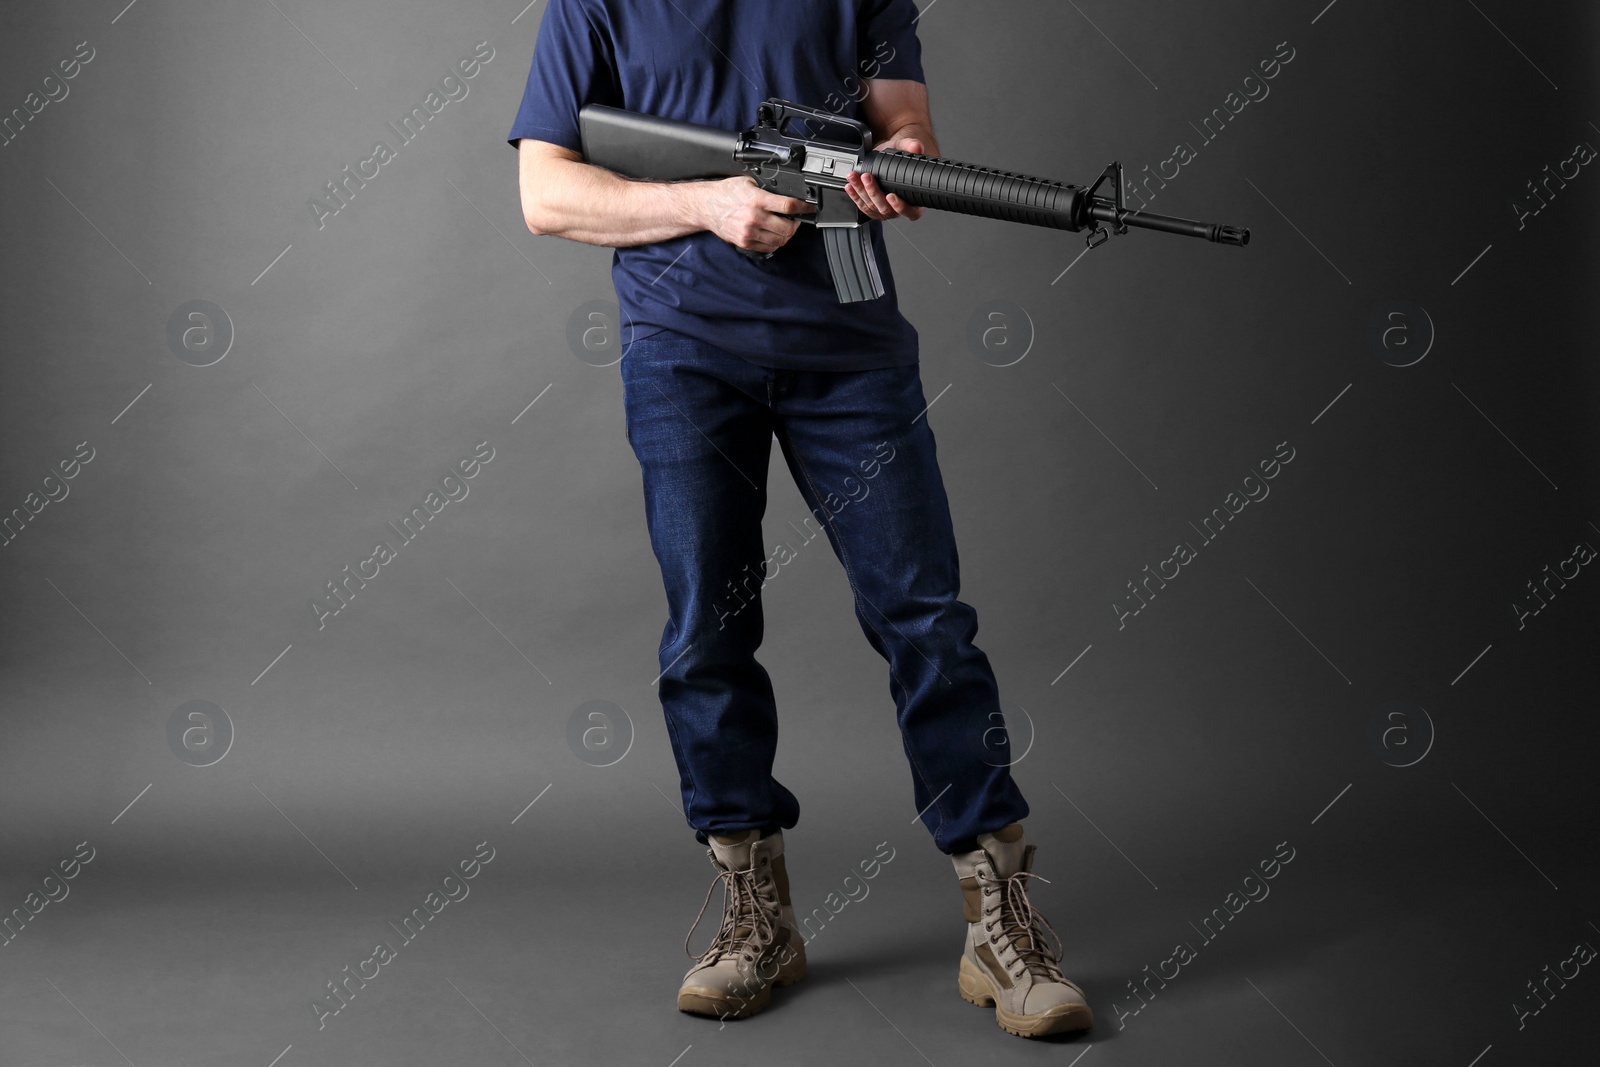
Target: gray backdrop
pixel 1357 672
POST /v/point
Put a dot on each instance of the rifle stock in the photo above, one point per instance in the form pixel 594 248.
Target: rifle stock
pixel 656 149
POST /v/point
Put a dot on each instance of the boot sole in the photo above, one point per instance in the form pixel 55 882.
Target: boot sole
pixel 700 1000
pixel 978 988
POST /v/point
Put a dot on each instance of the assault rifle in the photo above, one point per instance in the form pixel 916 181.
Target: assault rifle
pixel 811 167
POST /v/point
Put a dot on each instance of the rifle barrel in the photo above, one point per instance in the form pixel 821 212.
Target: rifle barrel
pixel 1105 211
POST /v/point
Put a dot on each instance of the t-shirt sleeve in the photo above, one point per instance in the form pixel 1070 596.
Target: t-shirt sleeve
pixel 886 32
pixel 573 65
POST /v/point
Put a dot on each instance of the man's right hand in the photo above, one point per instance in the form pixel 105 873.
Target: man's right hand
pixel 566 197
pixel 747 216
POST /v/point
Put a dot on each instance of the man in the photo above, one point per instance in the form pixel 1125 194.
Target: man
pixel 726 351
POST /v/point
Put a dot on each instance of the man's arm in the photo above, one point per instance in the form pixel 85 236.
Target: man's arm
pixel 566 197
pixel 896 110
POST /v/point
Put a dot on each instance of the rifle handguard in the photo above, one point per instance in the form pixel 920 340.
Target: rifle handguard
pixel 950 185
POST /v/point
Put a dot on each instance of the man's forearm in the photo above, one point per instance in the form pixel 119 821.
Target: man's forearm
pixel 916 131
pixel 590 204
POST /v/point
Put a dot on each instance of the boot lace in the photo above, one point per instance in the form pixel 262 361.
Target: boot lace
pixel 1022 925
pixel 747 925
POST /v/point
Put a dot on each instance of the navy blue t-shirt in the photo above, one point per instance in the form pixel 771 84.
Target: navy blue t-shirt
pixel 712 62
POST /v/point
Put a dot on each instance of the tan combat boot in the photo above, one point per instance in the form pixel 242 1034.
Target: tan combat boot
pixel 758 946
pixel 1005 962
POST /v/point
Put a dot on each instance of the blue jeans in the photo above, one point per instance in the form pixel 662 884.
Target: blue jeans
pixel 701 421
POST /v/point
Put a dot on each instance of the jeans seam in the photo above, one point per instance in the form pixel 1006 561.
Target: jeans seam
pixel 844 560
pixel 672 730
pixel 694 789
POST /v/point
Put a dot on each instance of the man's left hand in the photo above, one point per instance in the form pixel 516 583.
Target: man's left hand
pixel 870 197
